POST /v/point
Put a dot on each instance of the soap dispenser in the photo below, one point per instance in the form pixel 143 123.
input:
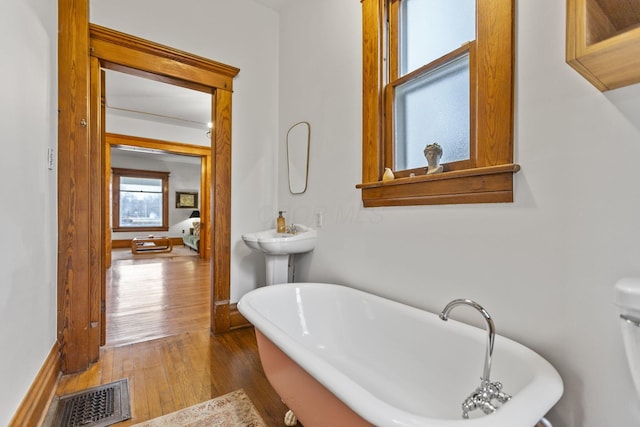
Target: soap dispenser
pixel 282 228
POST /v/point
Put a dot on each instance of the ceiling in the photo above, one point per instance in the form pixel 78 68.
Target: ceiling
pixel 141 98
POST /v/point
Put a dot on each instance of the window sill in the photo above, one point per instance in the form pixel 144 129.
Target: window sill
pixel 138 229
pixel 493 184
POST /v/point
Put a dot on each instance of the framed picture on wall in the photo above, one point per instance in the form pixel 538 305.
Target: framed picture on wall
pixel 186 200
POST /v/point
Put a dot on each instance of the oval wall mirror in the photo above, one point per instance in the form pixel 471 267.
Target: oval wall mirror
pixel 298 142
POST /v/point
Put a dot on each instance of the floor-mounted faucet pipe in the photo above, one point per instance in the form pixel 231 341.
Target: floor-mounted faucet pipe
pixel 444 315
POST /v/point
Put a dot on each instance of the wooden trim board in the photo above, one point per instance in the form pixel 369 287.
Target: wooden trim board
pixel 34 406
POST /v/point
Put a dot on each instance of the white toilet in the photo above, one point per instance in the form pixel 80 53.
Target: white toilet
pixel 627 298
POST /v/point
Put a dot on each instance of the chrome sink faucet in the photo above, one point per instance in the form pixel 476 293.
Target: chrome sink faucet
pixel 292 229
pixel 483 396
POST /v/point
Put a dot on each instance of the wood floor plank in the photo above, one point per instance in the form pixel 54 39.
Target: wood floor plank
pixel 139 383
pixel 153 397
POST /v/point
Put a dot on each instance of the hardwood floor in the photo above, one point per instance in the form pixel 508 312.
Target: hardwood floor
pixel 158 337
pixel 176 372
pixel 156 295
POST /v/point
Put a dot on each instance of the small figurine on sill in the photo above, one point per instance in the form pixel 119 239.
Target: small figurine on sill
pixel 433 153
pixel 388 175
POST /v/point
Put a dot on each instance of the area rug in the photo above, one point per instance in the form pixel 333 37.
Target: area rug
pixel 231 410
pixel 120 254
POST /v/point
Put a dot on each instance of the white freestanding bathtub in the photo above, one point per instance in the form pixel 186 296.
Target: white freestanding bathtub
pixel 342 357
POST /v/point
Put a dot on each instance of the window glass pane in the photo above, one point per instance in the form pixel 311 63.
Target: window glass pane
pixel 140 202
pixel 433 108
pixel 150 185
pixel 431 28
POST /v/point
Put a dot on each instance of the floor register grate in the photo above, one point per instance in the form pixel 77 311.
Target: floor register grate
pixel 95 407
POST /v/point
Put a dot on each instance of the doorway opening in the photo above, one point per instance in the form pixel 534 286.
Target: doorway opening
pixel 120 52
pixel 82 194
pixel 151 295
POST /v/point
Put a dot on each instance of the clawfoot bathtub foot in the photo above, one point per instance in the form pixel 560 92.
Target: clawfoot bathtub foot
pixel 290 418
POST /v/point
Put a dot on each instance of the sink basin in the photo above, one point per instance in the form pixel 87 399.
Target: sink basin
pixel 274 243
pixel 278 248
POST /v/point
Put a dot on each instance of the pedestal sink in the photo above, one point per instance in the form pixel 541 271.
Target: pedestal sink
pixel 279 247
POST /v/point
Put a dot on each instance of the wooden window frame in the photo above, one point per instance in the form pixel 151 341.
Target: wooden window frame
pixel 117 173
pixel 488 176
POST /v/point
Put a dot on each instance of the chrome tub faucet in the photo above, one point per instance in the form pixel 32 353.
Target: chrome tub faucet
pixel 484 396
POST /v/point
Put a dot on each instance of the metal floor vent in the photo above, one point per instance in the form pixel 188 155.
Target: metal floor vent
pixel 95 407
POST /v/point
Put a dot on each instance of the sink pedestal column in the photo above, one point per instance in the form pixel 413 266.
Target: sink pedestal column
pixel 277 268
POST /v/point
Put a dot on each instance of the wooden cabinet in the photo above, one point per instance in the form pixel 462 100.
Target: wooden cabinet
pixel 603 41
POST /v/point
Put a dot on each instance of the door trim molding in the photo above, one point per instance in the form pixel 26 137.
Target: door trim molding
pixel 80 233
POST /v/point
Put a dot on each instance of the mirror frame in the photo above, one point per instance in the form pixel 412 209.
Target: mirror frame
pixel 289 160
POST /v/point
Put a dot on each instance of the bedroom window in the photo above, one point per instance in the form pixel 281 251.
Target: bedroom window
pixel 437 71
pixel 140 200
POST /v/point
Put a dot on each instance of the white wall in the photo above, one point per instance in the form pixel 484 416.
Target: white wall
pixel 184 176
pixel 543 266
pixel 28 210
pixel 244 34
